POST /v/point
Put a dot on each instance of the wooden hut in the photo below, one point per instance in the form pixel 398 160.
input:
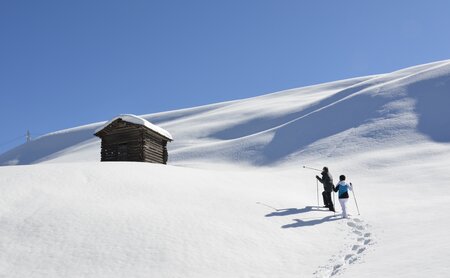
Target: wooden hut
pixel 131 138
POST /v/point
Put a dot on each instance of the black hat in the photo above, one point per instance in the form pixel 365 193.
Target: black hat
pixel 342 177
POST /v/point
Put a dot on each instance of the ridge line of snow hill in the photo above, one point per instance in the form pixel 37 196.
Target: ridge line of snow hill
pixel 359 88
pixel 270 98
pixel 59 141
pixel 168 120
pixel 364 97
pixel 275 128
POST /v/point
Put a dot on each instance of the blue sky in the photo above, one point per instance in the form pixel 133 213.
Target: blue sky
pixel 69 63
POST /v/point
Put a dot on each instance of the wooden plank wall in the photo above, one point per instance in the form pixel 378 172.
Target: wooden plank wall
pixel 153 151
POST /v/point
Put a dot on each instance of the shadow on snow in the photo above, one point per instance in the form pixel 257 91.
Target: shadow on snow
pixel 303 223
pixel 300 222
pixel 291 211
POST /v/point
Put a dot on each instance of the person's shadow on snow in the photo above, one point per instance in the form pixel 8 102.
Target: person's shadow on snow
pixel 290 211
pixel 302 223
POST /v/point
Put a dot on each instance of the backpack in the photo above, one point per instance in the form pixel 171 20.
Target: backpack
pixel 343 190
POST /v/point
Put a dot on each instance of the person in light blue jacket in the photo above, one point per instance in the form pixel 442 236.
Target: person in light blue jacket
pixel 342 188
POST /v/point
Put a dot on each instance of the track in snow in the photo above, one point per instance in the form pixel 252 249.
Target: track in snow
pixel 360 238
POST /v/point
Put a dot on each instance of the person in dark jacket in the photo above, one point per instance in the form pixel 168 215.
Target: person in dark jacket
pixel 328 186
pixel 343 187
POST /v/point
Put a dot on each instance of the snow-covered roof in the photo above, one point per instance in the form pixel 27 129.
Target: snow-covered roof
pixel 130 118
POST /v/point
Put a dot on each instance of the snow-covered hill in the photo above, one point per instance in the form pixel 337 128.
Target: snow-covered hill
pixel 234 200
pixel 326 120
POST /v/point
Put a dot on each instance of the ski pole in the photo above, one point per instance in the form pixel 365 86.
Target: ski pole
pixel 310 168
pixel 317 182
pixel 334 203
pixel 354 197
pixel 317 189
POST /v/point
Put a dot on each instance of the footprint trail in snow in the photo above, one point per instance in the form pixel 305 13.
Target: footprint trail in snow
pixel 360 238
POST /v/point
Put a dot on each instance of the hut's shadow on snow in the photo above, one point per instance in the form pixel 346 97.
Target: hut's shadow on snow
pixel 303 223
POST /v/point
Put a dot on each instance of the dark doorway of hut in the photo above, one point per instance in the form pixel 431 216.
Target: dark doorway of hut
pixel 122 152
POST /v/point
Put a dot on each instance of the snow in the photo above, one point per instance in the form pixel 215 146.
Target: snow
pixel 234 200
pixel 130 118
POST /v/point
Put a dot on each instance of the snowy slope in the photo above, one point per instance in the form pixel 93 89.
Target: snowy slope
pixel 234 201
pixel 140 220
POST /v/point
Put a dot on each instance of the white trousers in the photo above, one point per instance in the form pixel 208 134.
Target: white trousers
pixel 343 203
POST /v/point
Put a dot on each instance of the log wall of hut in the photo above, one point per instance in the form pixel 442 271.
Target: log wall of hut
pixel 155 150
pixel 123 141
